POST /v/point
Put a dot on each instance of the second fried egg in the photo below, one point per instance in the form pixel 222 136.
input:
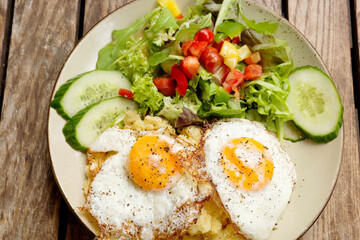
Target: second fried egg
pixel 251 173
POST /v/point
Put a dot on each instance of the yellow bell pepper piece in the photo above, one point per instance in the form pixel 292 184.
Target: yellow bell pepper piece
pixel 172 6
pixel 244 52
pixel 230 54
pixel 228 50
pixel 231 62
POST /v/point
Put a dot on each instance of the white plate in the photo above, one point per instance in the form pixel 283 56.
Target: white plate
pixel 317 165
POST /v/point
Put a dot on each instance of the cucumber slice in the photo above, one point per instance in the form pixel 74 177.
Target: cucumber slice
pixel 83 128
pixel 291 133
pixel 315 103
pixel 86 89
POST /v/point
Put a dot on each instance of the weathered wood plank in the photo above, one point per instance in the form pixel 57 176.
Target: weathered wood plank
pixel 76 230
pixel 5 20
pixel 43 34
pixel 96 10
pixel 326 24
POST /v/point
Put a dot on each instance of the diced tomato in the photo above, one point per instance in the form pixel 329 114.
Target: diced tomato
pixel 126 93
pixel 181 80
pixel 235 40
pixel 234 79
pixel 197 48
pixel 253 59
pixel 165 85
pixel 190 66
pixel 211 59
pixel 185 47
pixel 253 71
pixel 218 45
pixel 205 35
pixel 180 16
pixel 222 73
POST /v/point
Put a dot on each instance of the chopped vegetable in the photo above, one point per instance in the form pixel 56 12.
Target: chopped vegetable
pixel 253 59
pixel 126 93
pixel 172 6
pixel 315 103
pixel 253 71
pixel 221 73
pixel 244 52
pixel 218 45
pixel 211 59
pixel 205 35
pixel 197 48
pixel 233 80
pixel 189 66
pixel 165 85
pixel 180 78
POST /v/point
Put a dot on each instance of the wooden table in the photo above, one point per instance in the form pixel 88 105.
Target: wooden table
pixel 36 38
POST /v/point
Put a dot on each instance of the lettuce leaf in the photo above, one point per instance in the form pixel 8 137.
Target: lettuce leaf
pixel 261 27
pixel 275 53
pixel 146 94
pixel 174 106
pixel 216 101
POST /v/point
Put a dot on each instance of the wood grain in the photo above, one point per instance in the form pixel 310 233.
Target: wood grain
pixel 326 24
pixel 97 10
pixel 43 33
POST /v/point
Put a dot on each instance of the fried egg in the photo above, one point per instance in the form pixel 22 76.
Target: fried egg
pixel 252 174
pixel 142 191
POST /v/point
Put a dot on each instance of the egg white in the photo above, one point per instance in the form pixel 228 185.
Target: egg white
pixel 122 207
pixel 254 213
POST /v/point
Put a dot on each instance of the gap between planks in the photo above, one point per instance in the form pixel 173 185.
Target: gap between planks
pixel 7 27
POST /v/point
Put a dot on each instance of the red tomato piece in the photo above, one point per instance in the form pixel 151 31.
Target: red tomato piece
pixel 211 59
pixel 180 16
pixel 165 85
pixel 253 71
pixel 218 46
pixel 190 66
pixel 235 40
pixel 205 35
pixel 181 80
pixel 234 79
pixel 185 47
pixel 254 58
pixel 126 93
pixel 222 73
pixel 197 48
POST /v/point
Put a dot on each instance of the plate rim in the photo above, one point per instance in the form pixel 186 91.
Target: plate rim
pixel 266 9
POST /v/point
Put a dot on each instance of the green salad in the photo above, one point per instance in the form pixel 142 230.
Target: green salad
pixel 214 62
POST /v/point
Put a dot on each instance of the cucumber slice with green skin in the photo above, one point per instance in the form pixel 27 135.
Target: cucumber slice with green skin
pixel 84 128
pixel 291 133
pixel 86 89
pixel 315 103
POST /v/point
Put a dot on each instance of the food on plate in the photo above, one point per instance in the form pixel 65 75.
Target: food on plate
pixel 163 162
pixel 251 173
pixel 83 128
pixel 87 89
pixel 213 61
pixel 143 191
pixel 315 103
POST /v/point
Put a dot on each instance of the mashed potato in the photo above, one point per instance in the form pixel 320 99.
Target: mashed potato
pixel 213 223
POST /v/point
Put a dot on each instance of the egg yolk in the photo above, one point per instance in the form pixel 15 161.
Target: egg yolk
pixel 152 166
pixel 247 164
